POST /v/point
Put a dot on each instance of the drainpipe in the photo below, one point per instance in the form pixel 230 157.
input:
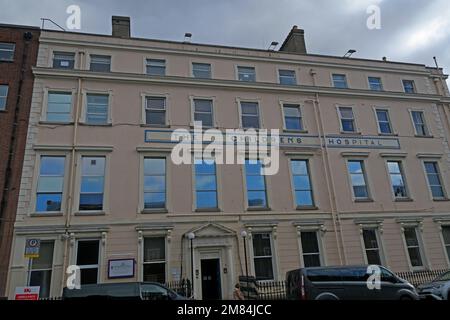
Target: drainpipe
pixel 71 176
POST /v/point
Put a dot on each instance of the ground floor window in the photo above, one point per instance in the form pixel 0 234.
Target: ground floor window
pixel 262 256
pixel 310 249
pixel 88 260
pixel 155 259
pixel 371 246
pixel 446 236
pixel 413 246
pixel 41 269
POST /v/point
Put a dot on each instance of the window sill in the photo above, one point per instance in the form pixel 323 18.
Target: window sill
pixel 350 132
pixel 363 200
pixel 7 61
pixel 441 199
pixel 420 136
pixel 259 209
pixel 294 131
pixel 96 125
pixel 56 122
pixel 306 208
pixel 403 200
pixel 47 214
pixel 161 210
pixel 155 125
pixel 89 213
pixel 388 134
pixel 208 210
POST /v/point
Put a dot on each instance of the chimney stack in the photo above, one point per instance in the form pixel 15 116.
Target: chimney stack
pixel 121 27
pixel 295 41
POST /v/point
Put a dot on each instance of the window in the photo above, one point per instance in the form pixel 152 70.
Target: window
pixel 371 246
pixel 397 179
pixel 97 109
pixel 419 123
pixel 287 77
pixel 262 253
pixel 250 114
pixel 340 81
pixel 154 183
pixel 201 70
pixel 302 183
pixel 155 259
pixel 256 184
pixel 100 63
pixel 92 183
pixel 292 117
pixel 413 247
pixel 246 74
pixel 155 110
pixel 358 179
pixel 310 249
pixel 41 269
pixel 50 184
pixel 434 179
pixel 7 51
pixel 375 84
pixel 59 106
pixel 63 60
pixel 203 111
pixel 3 96
pixel 88 260
pixel 446 238
pixel 205 184
pixel 409 86
pixel 156 67
pixel 384 122
pixel 347 119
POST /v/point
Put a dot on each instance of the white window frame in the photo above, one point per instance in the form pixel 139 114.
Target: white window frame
pixel 213 109
pixel 146 63
pixel 237 66
pixel 355 123
pixel 377 227
pixel 144 96
pixel 6 97
pixel 414 85
pixel 83 115
pixel 318 232
pixel 199 62
pixel 301 109
pixel 428 133
pixel 388 110
pixel 260 117
pixel 218 190
pixel 381 83
pixel 166 259
pixel 291 175
pixel 101 242
pixel 439 173
pixel 272 231
pixel 101 55
pixel 63 51
pixel 287 69
pixel 44 108
pixel 418 230
pixel 402 167
pixel 13 50
pixel 266 183
pixel 366 180
pixel 153 232
pixel 339 74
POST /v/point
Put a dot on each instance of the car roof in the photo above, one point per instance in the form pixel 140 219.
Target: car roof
pixel 117 289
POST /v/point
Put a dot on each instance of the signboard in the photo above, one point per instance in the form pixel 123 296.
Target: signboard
pixel 32 247
pixel 121 268
pixel 27 293
pixel 285 140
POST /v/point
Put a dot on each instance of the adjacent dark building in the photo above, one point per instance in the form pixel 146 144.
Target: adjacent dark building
pixel 18 53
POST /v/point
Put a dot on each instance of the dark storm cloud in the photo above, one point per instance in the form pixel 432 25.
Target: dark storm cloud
pixel 411 30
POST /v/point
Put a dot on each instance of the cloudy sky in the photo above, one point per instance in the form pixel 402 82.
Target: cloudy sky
pixel 411 30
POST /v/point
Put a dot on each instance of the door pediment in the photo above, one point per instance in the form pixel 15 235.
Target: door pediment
pixel 213 230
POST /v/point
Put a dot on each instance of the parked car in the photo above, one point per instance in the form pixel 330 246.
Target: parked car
pixel 345 283
pixel 125 290
pixel 438 289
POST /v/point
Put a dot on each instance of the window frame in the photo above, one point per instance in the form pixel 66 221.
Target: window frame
pixel 355 124
pixel 13 50
pixel 300 107
pixel 370 86
pixel 320 252
pixel 291 174
pixel 146 210
pixel 388 111
pixel 428 133
pixel 280 69
pixel 30 269
pixel 62 52
pixel 83 116
pixel 201 63
pixel 420 245
pixel 260 119
pixel 402 168
pixel 365 176
pixel 99 265
pixel 47 91
pixel 245 66
pixel 272 254
pixel 339 74
pixel 413 86
pixel 246 199
pixel 166 251
pixel 213 107
pixel 146 65
pixel 96 55
pixel 195 208
pixel 146 98
pixel 445 246
pixel 2 109
pixel 439 175
pixel 380 245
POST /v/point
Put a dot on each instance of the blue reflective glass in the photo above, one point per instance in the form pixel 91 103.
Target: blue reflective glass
pixel 255 183
pixel 154 200
pixel 299 167
pixel 52 166
pixel 252 167
pixel 206 199
pixel 256 198
pixel 304 198
pixel 154 183
pixel 205 183
pixel 293 123
pixel 91 201
pixel 301 183
pixel 348 125
pixel 92 184
pixel 48 202
pixel 204 168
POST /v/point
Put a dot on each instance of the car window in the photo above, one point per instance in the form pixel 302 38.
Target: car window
pixel 323 275
pixel 154 292
pixel 354 274
pixel 387 276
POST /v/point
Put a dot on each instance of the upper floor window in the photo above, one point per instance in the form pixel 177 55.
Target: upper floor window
pixel 371 246
pixel 155 110
pixel 205 184
pixel 340 81
pixel 302 183
pixel 7 51
pixel 203 111
pixel 375 84
pixel 409 86
pixel 446 238
pixel 292 117
pixel 262 256
pixel 154 259
pixel 63 60
pixel 310 249
pixel 88 256
pixel 154 183
pixel 397 179
pixel 92 183
pixel 3 96
pixel 434 179
pixel 358 179
pixel 256 184
pixel 59 106
pixel 41 269
pixel 347 119
pixel 246 74
pixel 100 63
pixel 156 67
pixel 250 114
pixel 97 108
pixel 384 122
pixel 420 126
pixel 287 77
pixel 50 184
pixel 201 70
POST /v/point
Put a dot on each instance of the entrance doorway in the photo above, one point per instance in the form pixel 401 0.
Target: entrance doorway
pixel 211 286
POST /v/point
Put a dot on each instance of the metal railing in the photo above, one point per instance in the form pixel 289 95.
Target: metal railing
pixel 417 278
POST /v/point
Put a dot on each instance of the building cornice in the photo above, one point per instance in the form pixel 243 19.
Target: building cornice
pixel 40 72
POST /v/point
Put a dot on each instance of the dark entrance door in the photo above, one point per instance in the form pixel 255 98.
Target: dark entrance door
pixel 211 289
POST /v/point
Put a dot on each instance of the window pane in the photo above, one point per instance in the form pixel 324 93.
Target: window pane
pixel 446 234
pixel 48 202
pixel 339 81
pixel 63 60
pixel 256 198
pixel 299 167
pixel 87 252
pixel 154 183
pixel 52 166
pixel 205 118
pixel 414 256
pixel 250 122
pixel 346 113
pixel 154 249
pixel 156 103
pixel 206 199
pixel 45 259
pixel 309 242
pixel 100 63
pixel 156 67
pixel 256 182
pixel 50 184
pixel 93 166
pixel 311 260
pixel 249 108
pixel 92 184
pixel 302 182
pixel 154 166
pixel 205 183
pixel 382 115
pixel 375 84
pixel 304 198
pixel 154 200
pixel 155 272
pixel 246 74
pixel 201 70
pixel 287 77
pixel 91 201
pixel 203 105
pixel 155 117
pixel 262 245
pixel 41 279
pixel 89 276
pixel 263 269
pixel 411 237
pixel 370 239
pixel 373 257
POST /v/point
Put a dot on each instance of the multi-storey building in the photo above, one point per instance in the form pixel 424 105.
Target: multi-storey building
pixel 363 171
pixel 18 52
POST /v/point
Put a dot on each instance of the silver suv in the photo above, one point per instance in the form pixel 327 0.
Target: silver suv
pixel 438 289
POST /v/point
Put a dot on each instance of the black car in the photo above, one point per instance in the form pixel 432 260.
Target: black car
pixel 124 290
